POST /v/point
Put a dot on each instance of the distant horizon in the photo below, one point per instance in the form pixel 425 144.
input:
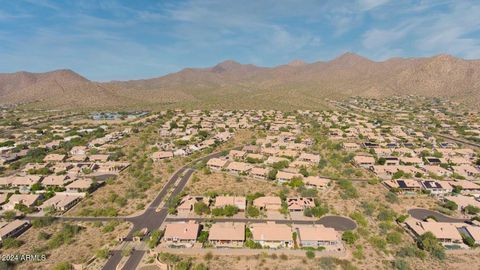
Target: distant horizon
pixel 233 60
pixel 120 40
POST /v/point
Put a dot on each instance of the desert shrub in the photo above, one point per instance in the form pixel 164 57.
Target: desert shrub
pixel 349 237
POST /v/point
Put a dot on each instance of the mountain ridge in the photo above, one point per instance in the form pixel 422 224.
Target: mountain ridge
pixel 230 83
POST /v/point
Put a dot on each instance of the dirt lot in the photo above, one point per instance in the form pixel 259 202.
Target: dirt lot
pixel 225 183
pixel 83 247
pixel 260 261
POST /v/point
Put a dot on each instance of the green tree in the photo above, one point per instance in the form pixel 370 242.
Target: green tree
pixel 203 237
pixel 155 237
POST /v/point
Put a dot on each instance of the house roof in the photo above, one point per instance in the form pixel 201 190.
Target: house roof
pixel 442 230
pixel 99 157
pixel 54 157
pixel 316 233
pixel 465 184
pixel 221 201
pixel 431 184
pixel 26 199
pixel 259 171
pixel 287 175
pixel 217 162
pixel 403 183
pixel 60 200
pixel 309 157
pixel 80 184
pixel 54 180
pixel 271 232
pixel 11 226
pixel 267 200
pixel 463 201
pixel 182 231
pixel 363 159
pixel 316 181
pixel 474 232
pixel 239 166
pixel 227 231
pixel 237 153
pixel 26 180
pixel 300 202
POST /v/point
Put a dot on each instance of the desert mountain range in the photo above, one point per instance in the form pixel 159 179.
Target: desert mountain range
pixel 233 85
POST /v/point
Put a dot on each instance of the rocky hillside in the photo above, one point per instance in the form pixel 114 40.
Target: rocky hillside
pixel 233 85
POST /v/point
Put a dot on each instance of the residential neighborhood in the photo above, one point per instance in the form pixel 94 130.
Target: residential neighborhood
pixel 240 182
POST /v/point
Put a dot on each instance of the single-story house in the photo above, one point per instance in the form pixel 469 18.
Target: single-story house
pixel 227 234
pixel 61 202
pixel 364 161
pixel 13 228
pixel 186 204
pixel 28 200
pixel 437 187
pixel 316 236
pixel 239 202
pixel 259 173
pixel 272 235
pixel 239 167
pixel 181 234
pixel 55 180
pixel 316 182
pixel 217 163
pixel 54 158
pixel 268 203
pixel 298 204
pixel 78 150
pixel 446 233
pixel 408 185
pixel 283 176
pixel 236 154
pixel 311 158
pixel 80 185
pixel 463 201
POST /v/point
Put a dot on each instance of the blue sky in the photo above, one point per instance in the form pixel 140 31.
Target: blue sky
pixel 120 40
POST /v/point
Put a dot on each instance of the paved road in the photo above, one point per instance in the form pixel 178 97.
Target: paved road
pixel 150 218
pixel 337 222
pixel 422 214
pixel 113 260
pixel 134 259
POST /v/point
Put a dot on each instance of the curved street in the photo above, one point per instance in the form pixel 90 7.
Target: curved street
pixel 422 214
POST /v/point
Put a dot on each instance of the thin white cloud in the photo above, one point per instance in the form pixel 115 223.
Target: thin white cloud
pixel 371 4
